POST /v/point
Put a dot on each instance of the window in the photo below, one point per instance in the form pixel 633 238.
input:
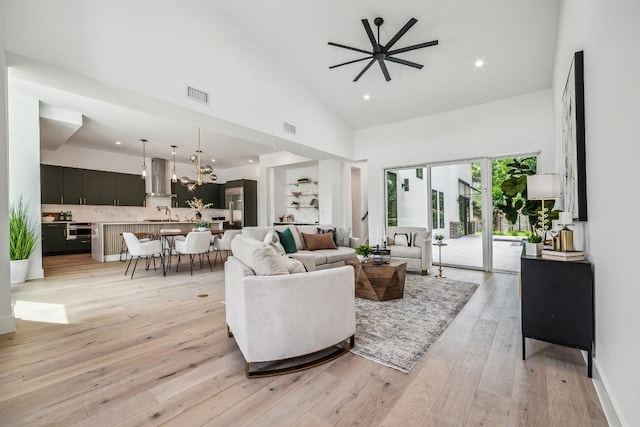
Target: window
pixel 441 208
pixel 392 199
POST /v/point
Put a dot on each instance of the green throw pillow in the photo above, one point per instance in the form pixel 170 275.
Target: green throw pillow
pixel 287 241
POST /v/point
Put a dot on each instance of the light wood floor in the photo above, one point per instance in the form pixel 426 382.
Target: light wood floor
pixel 154 350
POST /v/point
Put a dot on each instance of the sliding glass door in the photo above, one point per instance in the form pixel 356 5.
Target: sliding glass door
pixel 467 203
pixel 456 213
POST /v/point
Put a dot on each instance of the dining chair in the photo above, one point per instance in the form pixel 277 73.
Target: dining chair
pixel 196 243
pixel 223 243
pixel 148 249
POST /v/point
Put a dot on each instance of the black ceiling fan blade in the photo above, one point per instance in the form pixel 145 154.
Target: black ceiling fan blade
pixel 372 39
pixel 349 47
pixel 400 33
pixel 364 70
pixel 349 62
pixel 404 62
pixel 414 47
pixel 383 67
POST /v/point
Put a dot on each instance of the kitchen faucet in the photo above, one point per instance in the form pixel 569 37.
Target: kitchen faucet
pixel 167 211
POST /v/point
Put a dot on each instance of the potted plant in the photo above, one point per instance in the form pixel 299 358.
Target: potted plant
pixel 23 239
pixel 363 252
pixel 534 245
pixel 438 238
pixel 202 226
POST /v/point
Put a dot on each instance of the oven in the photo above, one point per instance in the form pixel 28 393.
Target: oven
pixel 78 230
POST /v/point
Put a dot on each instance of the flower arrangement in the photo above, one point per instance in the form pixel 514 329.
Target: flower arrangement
pixel 203 224
pixel 438 238
pixel 197 205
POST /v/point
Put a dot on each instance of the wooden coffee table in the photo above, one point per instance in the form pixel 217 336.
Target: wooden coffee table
pixel 379 282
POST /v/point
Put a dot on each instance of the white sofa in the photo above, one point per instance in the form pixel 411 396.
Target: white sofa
pixel 323 258
pixel 274 315
pixel 417 252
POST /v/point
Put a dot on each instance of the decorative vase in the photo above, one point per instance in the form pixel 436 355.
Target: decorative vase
pixel 533 249
pixel 200 229
pixel 19 270
pixel 363 258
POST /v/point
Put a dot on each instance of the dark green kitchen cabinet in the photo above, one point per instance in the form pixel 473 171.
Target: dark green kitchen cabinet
pixel 90 187
pixel 182 195
pixel 72 186
pixel 80 186
pixel 51 184
pixel 75 186
pixel 108 193
pixel 54 239
pixel 131 189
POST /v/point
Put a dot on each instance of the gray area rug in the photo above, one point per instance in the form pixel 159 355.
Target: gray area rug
pixel 398 333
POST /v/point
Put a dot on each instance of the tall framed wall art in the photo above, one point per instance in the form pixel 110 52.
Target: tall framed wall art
pixel 574 175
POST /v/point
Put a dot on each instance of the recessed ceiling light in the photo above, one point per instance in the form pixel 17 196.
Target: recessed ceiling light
pixel 366 96
pixel 250 160
pixel 479 63
pixel 118 143
pixel 213 160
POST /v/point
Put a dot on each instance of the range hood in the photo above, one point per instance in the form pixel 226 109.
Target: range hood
pixel 159 181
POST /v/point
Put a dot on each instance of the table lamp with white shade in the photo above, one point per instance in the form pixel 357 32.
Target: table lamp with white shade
pixel 543 187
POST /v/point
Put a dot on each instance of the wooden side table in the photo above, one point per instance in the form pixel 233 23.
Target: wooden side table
pixel 381 282
pixel 440 245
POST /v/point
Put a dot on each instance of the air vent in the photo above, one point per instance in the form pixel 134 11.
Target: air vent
pixel 197 95
pixel 289 128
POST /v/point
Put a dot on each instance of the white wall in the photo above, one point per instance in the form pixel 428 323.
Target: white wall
pixel 510 126
pixel 188 42
pixel 24 164
pixel 7 321
pixel 608 33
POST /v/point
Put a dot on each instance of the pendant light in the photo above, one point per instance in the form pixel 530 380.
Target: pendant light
pixel 174 173
pixel 144 159
pixel 201 171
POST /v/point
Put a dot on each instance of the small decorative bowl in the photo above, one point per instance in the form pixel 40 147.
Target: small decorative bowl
pixel 48 218
pixel 296 193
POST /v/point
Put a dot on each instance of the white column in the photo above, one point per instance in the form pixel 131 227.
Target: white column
pixel 24 164
pixel 7 321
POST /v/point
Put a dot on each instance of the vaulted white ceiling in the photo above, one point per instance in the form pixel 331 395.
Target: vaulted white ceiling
pixel 515 38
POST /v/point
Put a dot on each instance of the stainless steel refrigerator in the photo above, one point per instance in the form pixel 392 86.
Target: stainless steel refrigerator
pixel 241 198
pixel 233 198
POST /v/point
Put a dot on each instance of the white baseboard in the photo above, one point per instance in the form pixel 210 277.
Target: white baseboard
pixel 600 384
pixel 7 324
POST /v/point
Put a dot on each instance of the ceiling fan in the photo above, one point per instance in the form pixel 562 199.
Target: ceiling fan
pixel 382 53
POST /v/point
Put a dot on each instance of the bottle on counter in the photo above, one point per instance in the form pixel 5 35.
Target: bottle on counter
pixel 69 216
pixel 62 216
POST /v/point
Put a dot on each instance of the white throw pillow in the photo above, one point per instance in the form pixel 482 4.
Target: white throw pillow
pixel 272 238
pixel 294 266
pixel 342 236
pixel 262 258
pixel 401 239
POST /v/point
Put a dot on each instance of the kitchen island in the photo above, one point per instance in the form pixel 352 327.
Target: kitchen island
pixel 106 237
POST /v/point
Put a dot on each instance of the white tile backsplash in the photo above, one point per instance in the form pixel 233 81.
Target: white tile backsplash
pixel 85 213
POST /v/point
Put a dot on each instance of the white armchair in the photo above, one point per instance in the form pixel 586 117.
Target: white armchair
pixel 196 243
pixel 283 316
pixel 411 245
pixel 147 249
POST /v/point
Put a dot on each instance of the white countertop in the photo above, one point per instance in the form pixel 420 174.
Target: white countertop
pixel 152 222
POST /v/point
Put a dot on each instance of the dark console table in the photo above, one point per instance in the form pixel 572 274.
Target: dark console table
pixel 557 303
